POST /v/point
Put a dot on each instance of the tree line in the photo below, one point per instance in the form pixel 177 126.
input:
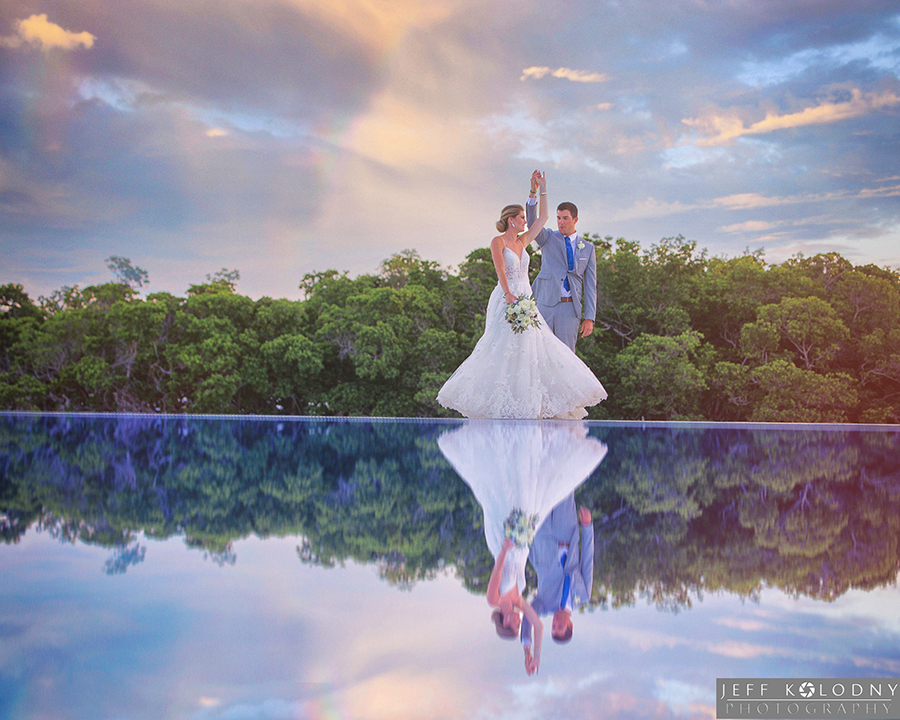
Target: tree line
pixel 679 335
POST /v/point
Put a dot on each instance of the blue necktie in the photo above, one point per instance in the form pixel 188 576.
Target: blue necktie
pixel 570 256
pixel 565 594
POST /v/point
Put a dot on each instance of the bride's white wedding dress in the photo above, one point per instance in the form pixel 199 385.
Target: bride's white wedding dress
pixel 529 375
pixel 532 466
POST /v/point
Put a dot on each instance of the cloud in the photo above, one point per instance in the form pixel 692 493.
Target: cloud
pixel 722 129
pixel 582 76
pixel 685 156
pixel 892 191
pixel 380 25
pixel 216 133
pixel 757 226
pixel 879 52
pixel 749 226
pixel 37 30
pixel 651 207
pixel 748 201
pixel 401 134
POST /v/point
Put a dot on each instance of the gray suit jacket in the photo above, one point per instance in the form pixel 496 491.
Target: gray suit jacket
pixel 554 266
pixel 561 526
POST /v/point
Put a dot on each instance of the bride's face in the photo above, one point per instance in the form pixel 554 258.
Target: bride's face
pixel 518 222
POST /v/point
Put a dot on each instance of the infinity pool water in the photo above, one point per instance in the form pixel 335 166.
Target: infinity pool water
pixel 229 568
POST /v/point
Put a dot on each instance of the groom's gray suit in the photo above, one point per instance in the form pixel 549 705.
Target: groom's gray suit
pixel 561 526
pixel 564 318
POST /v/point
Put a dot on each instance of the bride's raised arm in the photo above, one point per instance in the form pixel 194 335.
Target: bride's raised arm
pixel 543 212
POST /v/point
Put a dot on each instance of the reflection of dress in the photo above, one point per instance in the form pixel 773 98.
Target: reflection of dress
pixel 529 375
pixel 528 465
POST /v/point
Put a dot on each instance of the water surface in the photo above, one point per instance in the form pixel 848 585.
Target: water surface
pixel 177 567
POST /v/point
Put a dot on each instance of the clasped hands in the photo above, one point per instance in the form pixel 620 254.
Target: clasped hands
pixel 531 663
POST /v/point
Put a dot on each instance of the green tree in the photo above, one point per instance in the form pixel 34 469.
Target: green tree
pixel 662 378
pixel 779 391
pixel 809 327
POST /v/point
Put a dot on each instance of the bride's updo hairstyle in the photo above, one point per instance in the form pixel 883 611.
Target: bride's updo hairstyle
pixel 510 211
pixel 505 632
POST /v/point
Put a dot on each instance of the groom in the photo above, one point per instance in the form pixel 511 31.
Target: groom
pixel 566 286
pixel 565 570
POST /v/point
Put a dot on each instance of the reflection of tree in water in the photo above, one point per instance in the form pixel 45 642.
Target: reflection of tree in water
pixel 678 511
pixel 688 511
pixel 123 557
pixel 370 492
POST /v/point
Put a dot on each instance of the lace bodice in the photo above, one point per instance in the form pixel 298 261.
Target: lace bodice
pixel 516 268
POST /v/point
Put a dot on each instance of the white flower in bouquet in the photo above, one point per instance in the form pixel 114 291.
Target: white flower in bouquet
pixel 520 528
pixel 523 314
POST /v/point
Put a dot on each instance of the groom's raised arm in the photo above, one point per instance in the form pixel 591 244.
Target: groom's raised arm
pixel 530 217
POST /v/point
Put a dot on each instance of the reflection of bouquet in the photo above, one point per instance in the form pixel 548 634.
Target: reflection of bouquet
pixel 523 314
pixel 519 527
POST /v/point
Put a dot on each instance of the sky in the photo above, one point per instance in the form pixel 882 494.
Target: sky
pixel 286 137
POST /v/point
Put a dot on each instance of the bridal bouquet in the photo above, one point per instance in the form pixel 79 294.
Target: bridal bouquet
pixel 523 314
pixel 520 527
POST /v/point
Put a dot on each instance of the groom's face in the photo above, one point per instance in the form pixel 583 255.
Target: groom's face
pixel 565 222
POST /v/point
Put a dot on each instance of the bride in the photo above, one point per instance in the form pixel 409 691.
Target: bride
pixel 529 374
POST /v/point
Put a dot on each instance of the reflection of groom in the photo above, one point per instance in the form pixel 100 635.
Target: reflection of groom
pixel 565 571
pixel 567 282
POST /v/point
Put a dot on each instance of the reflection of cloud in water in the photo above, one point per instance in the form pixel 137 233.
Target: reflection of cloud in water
pixel 571 695
pixel 743 624
pixel 597 695
pixel 874 609
pixel 883 666
pixel 406 693
pixel 742 650
pixel 645 640
pixel 683 698
pixel 272 709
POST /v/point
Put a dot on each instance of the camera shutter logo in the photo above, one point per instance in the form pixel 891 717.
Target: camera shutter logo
pixel 807 689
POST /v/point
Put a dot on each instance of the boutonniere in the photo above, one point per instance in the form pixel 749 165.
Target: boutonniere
pixel 581 244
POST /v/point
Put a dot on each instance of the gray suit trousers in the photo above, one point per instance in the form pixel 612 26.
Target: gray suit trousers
pixel 562 321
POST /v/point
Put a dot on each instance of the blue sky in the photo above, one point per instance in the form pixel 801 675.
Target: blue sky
pixel 281 137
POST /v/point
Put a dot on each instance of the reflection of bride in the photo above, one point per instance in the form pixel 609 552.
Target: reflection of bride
pixel 530 465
